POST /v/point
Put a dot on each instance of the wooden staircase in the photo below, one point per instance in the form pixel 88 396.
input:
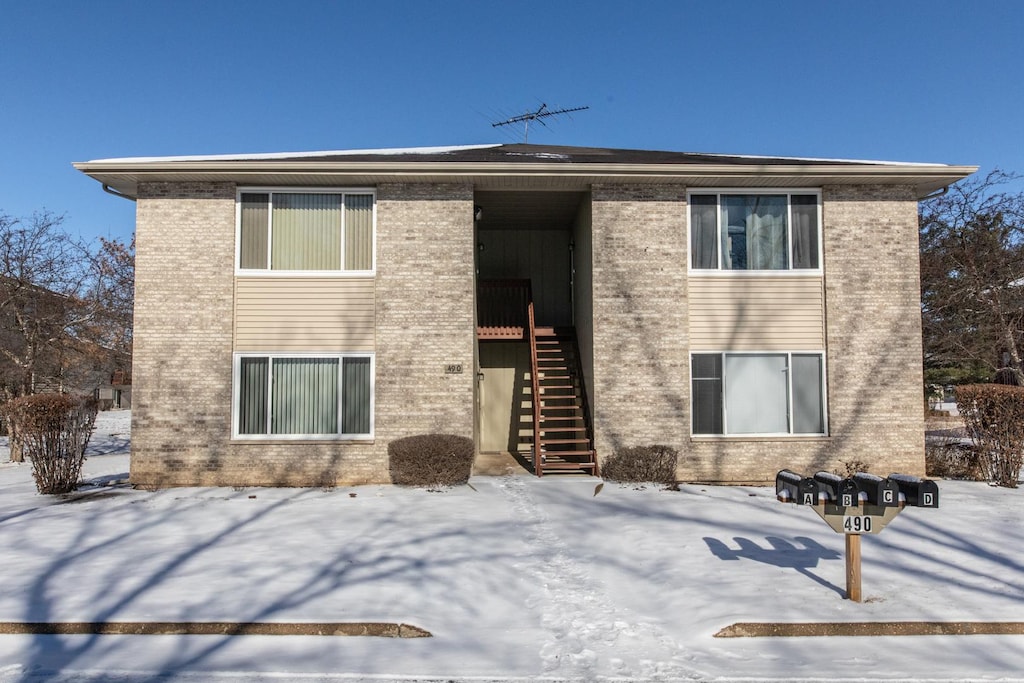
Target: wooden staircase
pixel 562 436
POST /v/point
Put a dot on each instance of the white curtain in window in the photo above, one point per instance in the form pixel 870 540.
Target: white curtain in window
pixel 754 232
pixel 704 231
pixel 756 394
pixel 805 231
pixel 306 232
pixel 766 233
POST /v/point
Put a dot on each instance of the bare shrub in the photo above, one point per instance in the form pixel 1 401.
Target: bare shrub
pixel 53 430
pixel 430 460
pixel 642 464
pixel 851 467
pixel 945 457
pixel 994 416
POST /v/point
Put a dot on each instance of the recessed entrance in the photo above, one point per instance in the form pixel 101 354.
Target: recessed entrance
pixel 527 260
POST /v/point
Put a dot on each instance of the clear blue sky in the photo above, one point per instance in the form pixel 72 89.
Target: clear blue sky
pixel 897 80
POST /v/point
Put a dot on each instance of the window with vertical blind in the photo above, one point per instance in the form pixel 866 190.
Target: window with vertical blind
pixel 755 231
pixel 762 394
pixel 322 396
pixel 306 231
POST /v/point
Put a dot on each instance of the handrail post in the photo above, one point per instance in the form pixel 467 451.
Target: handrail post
pixel 535 387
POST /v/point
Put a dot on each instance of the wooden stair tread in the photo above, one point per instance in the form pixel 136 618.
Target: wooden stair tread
pixel 557 404
pixel 577 451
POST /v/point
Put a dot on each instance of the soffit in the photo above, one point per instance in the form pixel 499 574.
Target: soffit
pixel 527 210
pixel 523 172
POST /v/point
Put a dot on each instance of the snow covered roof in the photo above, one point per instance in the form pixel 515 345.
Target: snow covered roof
pixel 536 166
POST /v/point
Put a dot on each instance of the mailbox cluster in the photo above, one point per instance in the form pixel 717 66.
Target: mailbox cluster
pixel 861 504
pixel 895 490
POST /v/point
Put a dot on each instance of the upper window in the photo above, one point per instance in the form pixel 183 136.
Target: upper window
pixel 758 393
pixel 754 231
pixel 306 231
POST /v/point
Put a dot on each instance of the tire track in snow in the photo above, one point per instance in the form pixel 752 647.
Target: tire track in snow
pixel 586 629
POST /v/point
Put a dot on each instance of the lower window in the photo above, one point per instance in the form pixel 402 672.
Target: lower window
pixel 303 396
pixel 758 393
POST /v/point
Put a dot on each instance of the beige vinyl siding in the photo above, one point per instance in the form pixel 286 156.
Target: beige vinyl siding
pixel 541 256
pixel 756 313
pixel 297 314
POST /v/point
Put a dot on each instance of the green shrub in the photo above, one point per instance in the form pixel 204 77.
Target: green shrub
pixel 430 460
pixel 642 464
pixel 53 431
pixel 994 416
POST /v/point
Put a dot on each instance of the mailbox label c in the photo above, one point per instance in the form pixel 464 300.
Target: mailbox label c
pixel 860 524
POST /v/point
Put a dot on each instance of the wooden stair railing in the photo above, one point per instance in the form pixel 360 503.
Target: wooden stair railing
pixel 563 437
pixel 501 308
pixel 534 390
pixel 562 434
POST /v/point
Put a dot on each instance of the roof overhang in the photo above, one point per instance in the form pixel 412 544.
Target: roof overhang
pixel 519 172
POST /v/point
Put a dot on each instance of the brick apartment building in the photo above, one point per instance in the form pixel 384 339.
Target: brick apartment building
pixel 297 312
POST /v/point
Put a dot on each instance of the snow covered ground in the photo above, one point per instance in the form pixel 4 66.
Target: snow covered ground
pixel 517 578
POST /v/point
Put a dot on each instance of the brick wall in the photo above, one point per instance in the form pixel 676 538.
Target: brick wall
pixel 873 336
pixel 181 374
pixel 181 432
pixel 873 347
pixel 425 310
pixel 640 348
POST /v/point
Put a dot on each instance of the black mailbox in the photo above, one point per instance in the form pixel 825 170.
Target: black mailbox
pixel 922 493
pixel 795 488
pixel 840 491
pixel 879 491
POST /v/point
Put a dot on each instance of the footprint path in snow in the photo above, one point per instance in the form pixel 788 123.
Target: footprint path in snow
pixel 589 635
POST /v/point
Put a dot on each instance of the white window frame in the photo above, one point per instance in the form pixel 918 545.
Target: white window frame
pixel 236 367
pixel 723 272
pixel 789 408
pixel 270 272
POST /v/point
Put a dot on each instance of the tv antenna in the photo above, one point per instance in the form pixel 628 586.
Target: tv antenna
pixel 538 116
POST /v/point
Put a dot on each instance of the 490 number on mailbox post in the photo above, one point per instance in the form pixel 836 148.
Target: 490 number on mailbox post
pixel 857 524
